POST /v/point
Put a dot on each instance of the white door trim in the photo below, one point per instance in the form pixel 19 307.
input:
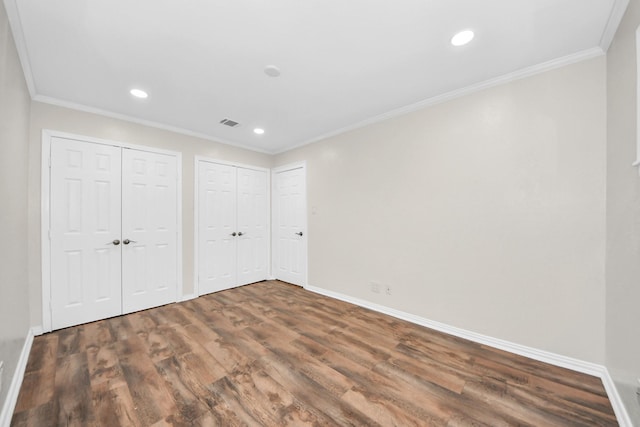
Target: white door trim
pixel 196 204
pixel 298 165
pixel 45 182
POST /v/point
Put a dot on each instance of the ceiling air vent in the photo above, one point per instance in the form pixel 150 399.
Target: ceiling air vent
pixel 230 123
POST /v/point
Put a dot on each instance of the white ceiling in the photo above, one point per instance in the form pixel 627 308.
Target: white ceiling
pixel 343 62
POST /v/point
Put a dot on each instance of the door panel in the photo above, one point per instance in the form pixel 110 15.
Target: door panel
pixel 149 222
pixel 290 215
pixel 252 223
pixel 216 224
pixel 85 220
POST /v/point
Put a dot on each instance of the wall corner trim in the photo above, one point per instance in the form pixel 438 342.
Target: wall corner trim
pixel 530 352
pixel 615 18
pixel 21 46
pixel 16 382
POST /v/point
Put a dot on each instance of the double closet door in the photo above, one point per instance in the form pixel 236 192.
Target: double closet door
pixel 113 230
pixel 233 226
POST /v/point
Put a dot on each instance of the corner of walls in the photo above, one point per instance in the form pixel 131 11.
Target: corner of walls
pixel 15 110
pixel 623 210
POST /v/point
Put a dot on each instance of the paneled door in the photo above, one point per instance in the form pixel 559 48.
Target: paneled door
pixel 217 232
pixel 113 230
pixel 149 229
pixel 290 225
pixel 252 224
pixel 233 228
pixel 85 232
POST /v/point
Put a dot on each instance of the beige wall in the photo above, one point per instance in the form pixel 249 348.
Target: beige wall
pixel 623 212
pixel 45 116
pixel 14 137
pixel 486 212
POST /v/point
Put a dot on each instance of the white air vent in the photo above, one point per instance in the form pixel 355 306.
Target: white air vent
pixel 229 122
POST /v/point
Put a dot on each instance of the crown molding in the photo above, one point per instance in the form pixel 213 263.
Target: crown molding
pixel 617 13
pixel 448 96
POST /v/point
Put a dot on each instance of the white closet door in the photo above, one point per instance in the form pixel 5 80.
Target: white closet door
pixel 85 232
pixel 216 227
pixel 149 229
pixel 290 223
pixel 252 226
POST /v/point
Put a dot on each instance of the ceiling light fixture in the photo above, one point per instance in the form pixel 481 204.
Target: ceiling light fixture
pixel 258 131
pixel 272 71
pixel 462 38
pixel 139 93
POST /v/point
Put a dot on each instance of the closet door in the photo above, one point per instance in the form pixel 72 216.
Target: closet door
pixel 217 232
pixel 84 232
pixel 252 226
pixel 113 227
pixel 149 229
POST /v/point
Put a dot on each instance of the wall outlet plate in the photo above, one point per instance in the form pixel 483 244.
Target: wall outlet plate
pixel 375 287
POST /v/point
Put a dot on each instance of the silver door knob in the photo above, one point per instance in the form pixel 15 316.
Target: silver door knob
pixel 299 233
pixel 240 233
pixel 127 241
pixel 116 242
pixel 234 234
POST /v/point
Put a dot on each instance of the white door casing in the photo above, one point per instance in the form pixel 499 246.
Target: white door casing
pixel 149 230
pixel 85 232
pixel 290 224
pixel 82 193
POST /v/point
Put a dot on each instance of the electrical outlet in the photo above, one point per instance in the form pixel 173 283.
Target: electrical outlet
pixel 387 289
pixel 375 287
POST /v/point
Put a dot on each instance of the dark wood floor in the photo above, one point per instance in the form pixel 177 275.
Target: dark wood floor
pixel 273 354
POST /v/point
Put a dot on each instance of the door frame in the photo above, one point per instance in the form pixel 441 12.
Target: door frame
pixel 45 211
pixel 305 222
pixel 196 206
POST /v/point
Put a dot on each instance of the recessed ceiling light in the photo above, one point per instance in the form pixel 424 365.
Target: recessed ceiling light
pixel 462 38
pixel 272 71
pixel 139 93
pixel 258 131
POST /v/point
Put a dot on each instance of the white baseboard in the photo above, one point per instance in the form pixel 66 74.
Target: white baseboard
pixel 616 401
pixel 530 352
pixel 16 382
pixel 188 297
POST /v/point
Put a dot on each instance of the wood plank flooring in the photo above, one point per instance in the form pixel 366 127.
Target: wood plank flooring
pixel 273 354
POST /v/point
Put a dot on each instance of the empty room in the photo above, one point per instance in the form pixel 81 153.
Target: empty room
pixel 261 213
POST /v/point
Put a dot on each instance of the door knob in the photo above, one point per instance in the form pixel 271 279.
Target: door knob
pixel 234 234
pixel 240 233
pixel 116 242
pixel 299 233
pixel 127 241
